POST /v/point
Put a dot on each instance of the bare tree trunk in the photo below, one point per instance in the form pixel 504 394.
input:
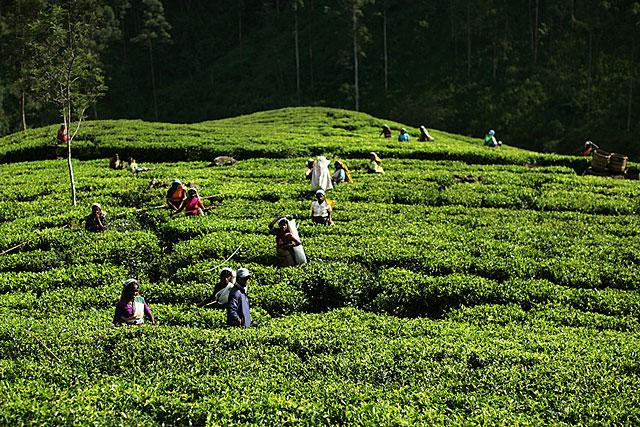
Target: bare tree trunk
pixel 384 42
pixel 629 103
pixel 23 112
pixel 468 41
pixel 295 36
pixel 535 33
pixel 153 82
pixel 355 57
pixel 589 71
pixel 67 122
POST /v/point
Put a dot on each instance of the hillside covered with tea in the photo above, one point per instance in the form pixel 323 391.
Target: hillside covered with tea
pixel 465 285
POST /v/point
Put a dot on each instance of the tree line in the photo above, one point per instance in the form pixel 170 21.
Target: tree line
pixel 545 74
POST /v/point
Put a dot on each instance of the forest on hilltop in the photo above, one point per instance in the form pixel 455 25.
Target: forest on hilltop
pixel 547 75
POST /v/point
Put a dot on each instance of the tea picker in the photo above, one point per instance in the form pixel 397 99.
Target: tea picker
pixel 95 221
pixel 375 164
pixel 238 305
pixel 288 244
pixel 321 177
pixel 424 135
pixel 132 308
pixel 490 139
pixel 404 136
pixel 222 289
pixel 321 210
pixel 341 174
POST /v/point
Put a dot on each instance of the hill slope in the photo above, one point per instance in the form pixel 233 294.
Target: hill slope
pixel 447 291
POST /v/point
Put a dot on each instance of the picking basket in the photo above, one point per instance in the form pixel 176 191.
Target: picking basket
pixel 618 163
pixel 600 160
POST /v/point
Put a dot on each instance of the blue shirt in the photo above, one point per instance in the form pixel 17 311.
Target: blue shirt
pixel 403 137
pixel 238 308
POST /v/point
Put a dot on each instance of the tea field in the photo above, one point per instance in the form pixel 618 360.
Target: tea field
pixel 464 286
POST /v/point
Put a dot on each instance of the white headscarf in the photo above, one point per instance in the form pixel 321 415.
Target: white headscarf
pixel 321 177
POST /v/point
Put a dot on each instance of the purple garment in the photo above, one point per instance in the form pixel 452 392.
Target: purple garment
pixel 125 309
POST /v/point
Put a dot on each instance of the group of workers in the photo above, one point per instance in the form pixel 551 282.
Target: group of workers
pixel 130 164
pixel 230 293
pixel 231 290
pixel 403 136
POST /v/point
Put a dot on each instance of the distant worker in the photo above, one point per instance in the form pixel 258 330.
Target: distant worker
pixel 176 195
pixel 288 245
pixel 321 210
pixel 222 289
pixel 134 168
pixel 374 165
pixel 341 174
pixel 386 131
pixel 132 308
pixel 238 305
pixel 62 134
pixel 95 221
pixel 404 136
pixel 321 177
pixel 424 135
pixel 490 139
pixel 192 205
pixel 587 149
pixel 115 162
pixel 308 169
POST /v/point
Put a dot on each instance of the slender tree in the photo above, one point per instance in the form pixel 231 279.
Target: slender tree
pixel 66 68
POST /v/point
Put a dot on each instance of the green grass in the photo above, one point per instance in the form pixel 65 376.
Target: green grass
pixel 511 299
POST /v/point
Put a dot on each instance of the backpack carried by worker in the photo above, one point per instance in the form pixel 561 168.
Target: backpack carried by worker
pixel 222 296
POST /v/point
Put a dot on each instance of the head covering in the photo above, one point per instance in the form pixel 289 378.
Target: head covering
pixel 282 221
pixel 385 126
pixel 375 157
pixel 175 181
pixel 309 163
pixel 243 273
pixel 129 282
pixel 225 270
pixel 321 191
pixel 423 129
pixel 492 132
pixel 403 130
pixel 192 192
pixel 321 177
pixel 96 205
pixel 346 171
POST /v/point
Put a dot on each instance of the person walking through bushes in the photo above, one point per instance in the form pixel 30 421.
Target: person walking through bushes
pixel 238 306
pixel 222 289
pixel 132 308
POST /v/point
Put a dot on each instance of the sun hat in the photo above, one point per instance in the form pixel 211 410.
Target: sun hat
pixel 243 273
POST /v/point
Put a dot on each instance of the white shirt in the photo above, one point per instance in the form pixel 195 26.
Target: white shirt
pixel 318 209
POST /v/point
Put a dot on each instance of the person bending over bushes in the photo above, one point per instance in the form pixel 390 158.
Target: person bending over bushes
pixel 386 131
pixel 192 205
pixel 288 245
pixel 176 195
pixel 132 308
pixel 238 306
pixel 490 139
pixel 374 165
pixel 321 177
pixel 341 174
pixel 115 162
pixel 404 136
pixel 95 221
pixel 221 291
pixel 424 135
pixel 321 210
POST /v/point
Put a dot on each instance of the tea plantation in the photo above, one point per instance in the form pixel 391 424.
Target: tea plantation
pixel 464 286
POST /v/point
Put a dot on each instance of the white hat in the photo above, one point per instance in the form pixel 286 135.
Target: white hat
pixel 321 191
pixel 128 282
pixel 243 273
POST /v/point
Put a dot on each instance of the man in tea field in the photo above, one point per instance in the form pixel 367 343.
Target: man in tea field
pixel 95 221
pixel 238 306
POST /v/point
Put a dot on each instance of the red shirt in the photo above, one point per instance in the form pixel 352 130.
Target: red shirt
pixel 62 135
